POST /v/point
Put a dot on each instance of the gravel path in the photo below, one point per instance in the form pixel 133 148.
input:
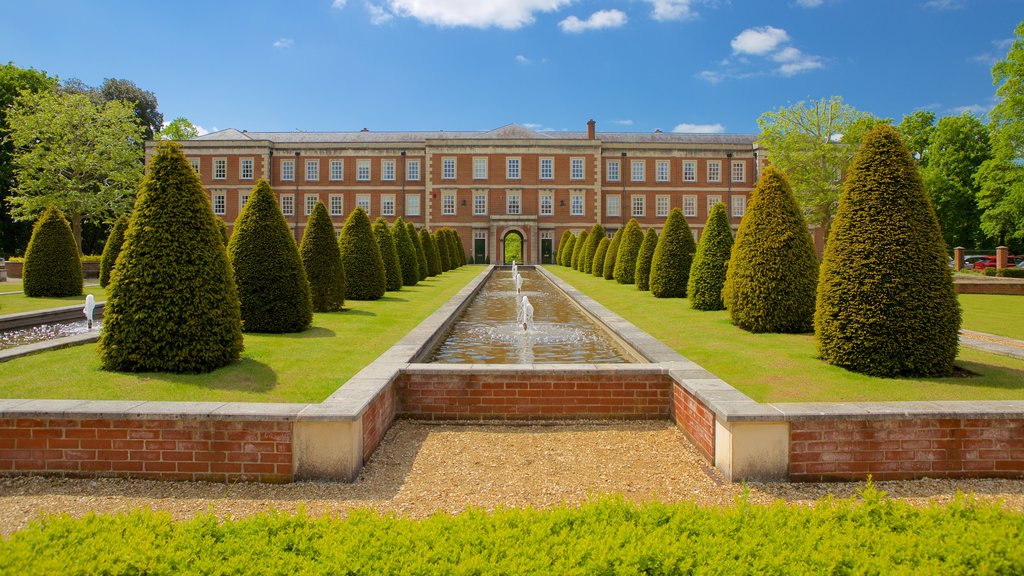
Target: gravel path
pixel 421 469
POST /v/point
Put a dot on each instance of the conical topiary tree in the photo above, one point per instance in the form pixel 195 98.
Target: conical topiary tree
pixel 111 249
pixel 407 259
pixel 52 266
pixel 272 287
pixel 421 255
pixel 388 253
pixel 562 244
pixel 629 249
pixel 171 305
pixel 455 253
pixel 597 266
pixel 321 258
pixel 578 250
pixel 365 278
pixel 886 305
pixel 590 249
pixel 566 253
pixel 773 270
pixel 670 265
pixel 442 250
pixel 707 273
pixel 222 227
pixel 642 274
pixel 433 261
pixel 608 269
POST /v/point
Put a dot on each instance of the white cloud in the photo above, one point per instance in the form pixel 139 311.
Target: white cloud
pixel 711 76
pixel 623 122
pixel 507 14
pixel 794 61
pixel 767 42
pixel 284 43
pixel 672 9
pixel 378 13
pixel 810 3
pixel 338 4
pixel 759 41
pixel 686 128
pixel 597 21
pixel 944 4
pixel 976 109
pixel 523 59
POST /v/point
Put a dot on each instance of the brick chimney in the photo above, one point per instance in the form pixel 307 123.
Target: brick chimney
pixel 591 129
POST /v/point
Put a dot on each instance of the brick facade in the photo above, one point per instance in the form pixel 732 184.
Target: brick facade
pixel 377 419
pixel 696 419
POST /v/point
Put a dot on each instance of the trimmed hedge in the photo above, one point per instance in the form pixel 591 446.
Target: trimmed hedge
pixel 442 250
pixel 578 250
pixel 172 305
pixel 222 226
pixel 629 249
pixel 608 268
pixel 321 258
pixel 365 278
pixel 642 274
pixel 421 255
pixel 673 256
pixel 272 287
pixel 773 271
pixel 566 253
pixel 590 249
pixel 52 266
pixel 710 263
pixel 455 252
pixel 388 254
pixel 407 258
pixel 597 266
pixel 562 243
pixel 1010 272
pixel 111 249
pixel 430 247
pixel 886 302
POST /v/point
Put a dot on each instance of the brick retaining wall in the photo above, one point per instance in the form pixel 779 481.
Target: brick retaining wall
pixel 377 419
pixel 696 419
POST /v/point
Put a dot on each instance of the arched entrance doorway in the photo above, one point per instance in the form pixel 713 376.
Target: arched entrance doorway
pixel 513 246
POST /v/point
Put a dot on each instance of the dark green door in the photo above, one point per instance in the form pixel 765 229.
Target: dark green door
pixel 545 251
pixel 480 251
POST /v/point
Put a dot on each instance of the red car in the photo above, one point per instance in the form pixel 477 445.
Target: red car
pixel 990 262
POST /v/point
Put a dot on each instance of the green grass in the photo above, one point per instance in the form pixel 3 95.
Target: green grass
pixel 999 314
pixel 18 303
pixel 785 367
pixel 304 367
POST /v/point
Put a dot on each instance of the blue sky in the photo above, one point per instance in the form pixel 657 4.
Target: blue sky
pixel 632 65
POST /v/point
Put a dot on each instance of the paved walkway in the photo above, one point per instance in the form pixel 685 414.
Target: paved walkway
pixel 992 343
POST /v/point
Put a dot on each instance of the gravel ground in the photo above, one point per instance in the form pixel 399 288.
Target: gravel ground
pixel 421 469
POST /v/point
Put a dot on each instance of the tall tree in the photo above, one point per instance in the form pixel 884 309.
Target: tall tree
pixel 75 155
pixel 917 129
pixel 178 129
pixel 958 147
pixel 142 102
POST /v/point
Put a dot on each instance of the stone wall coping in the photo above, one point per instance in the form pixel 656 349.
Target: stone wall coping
pixel 142 410
pixel 946 409
pixel 59 314
pixel 53 344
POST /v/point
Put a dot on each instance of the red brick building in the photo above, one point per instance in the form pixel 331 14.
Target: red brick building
pixel 485 185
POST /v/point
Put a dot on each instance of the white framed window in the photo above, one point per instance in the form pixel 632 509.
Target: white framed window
pixel 219 201
pixel 412 204
pixel 479 168
pixel 661 205
pixel 480 203
pixel 311 200
pixel 514 203
pixel 412 170
pixel 712 200
pixel 714 171
pixel 547 168
pixel 739 206
pixel 689 171
pixel 287 204
pixel 638 205
pixel 337 205
pixel 739 171
pixel 576 171
pixel 387 204
pixel 387 170
pixel 363 201
pixel 220 168
pixel 245 169
pixel 613 167
pixel 448 169
pixel 312 170
pixel 613 205
pixel 576 204
pixel 637 170
pixel 661 171
pixel 547 204
pixel 243 197
pixel 513 168
pixel 448 204
pixel 287 170
pixel 337 170
pixel 690 206
pixel 195 164
pixel 363 170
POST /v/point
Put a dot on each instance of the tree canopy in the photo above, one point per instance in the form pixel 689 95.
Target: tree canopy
pixel 178 129
pixel 142 102
pixel 958 147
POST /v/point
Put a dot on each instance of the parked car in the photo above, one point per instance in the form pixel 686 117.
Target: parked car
pixel 990 262
pixel 1020 264
pixel 970 260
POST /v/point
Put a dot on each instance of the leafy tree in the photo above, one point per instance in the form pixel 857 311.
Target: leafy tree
pixel 597 266
pixel 52 267
pixel 407 258
pixel 958 147
pixel 578 249
pixel 433 261
pixel 75 155
pixel 708 271
pixel 886 302
pixel 111 249
pixel 629 250
pixel 142 102
pixel 178 129
pixel 365 277
pixel 590 249
pixel 608 270
pixel 917 129
pixel 565 253
pixel 273 290
pixel 442 250
pixel 421 254
pixel 171 305
pixel 389 254
pixel 321 259
pixel 773 271
pixel 513 248
pixel 673 256
pixel 562 243
pixel 642 273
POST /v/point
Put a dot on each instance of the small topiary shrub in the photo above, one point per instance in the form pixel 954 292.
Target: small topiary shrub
pixel 590 249
pixel 407 259
pixel 562 244
pixel 172 305
pixel 388 253
pixel 597 266
pixel 321 258
pixel 433 260
pixel 773 270
pixel 455 251
pixel 578 249
pixel 272 287
pixel 111 249
pixel 642 274
pixel 629 249
pixel 886 302
pixel 566 253
pixel 707 273
pixel 673 256
pixel 608 269
pixel 421 255
pixel 365 278
pixel 442 250
pixel 52 266
pixel 989 272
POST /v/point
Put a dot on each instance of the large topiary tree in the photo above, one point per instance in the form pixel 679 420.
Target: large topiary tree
pixel 321 258
pixel 707 273
pixel 388 253
pixel 172 305
pixel 407 259
pixel 52 266
pixel 455 252
pixel 562 243
pixel 433 261
pixel 365 278
pixel 272 287
pixel 773 270
pixel 590 249
pixel 642 274
pixel 597 266
pixel 565 254
pixel 608 269
pixel 886 302
pixel 673 255
pixel 421 255
pixel 578 250
pixel 629 250
pixel 111 249
pixel 442 250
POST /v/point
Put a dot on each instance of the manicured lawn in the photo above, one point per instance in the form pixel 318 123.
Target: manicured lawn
pixel 305 367
pixel 785 367
pixel 999 314
pixel 17 303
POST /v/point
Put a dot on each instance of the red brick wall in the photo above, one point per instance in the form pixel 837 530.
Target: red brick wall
pixel 906 448
pixel 377 419
pixel 695 419
pixel 218 451
pixel 534 396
